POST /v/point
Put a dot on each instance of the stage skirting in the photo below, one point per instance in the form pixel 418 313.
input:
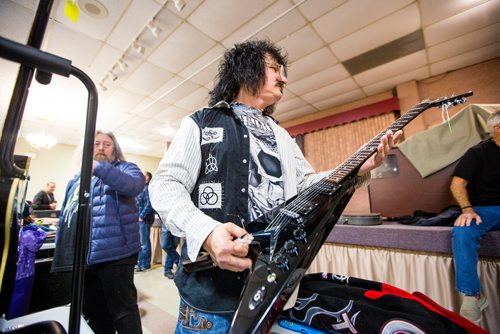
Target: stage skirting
pixel 430 273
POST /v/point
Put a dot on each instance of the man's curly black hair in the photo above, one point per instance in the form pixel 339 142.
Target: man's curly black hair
pixel 244 66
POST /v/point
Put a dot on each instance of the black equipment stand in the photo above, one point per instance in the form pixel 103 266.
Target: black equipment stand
pixel 31 58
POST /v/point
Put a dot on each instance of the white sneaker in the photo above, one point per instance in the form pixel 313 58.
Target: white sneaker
pixel 472 307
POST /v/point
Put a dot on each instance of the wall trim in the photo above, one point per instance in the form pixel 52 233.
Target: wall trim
pixel 348 116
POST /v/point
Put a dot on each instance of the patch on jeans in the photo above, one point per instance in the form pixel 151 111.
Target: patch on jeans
pixel 190 319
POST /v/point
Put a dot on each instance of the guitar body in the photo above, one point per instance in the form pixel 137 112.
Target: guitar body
pixel 283 262
pixel 12 199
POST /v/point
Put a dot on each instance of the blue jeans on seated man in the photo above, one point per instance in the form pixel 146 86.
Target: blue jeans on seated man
pixel 465 245
pixel 144 259
pixel 192 321
pixel 169 244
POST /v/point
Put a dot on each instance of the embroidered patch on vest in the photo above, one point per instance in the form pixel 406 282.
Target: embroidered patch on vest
pixel 211 164
pixel 212 135
pixel 210 196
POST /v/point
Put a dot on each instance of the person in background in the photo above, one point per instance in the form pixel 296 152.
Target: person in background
pixel 146 219
pixel 31 239
pixel 110 296
pixel 169 243
pixel 228 164
pixel 476 187
pixel 44 199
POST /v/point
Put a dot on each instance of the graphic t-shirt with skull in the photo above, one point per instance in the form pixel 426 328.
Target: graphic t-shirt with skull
pixel 265 183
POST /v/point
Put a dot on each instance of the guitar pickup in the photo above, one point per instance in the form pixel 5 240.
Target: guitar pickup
pixel 300 209
pixel 327 188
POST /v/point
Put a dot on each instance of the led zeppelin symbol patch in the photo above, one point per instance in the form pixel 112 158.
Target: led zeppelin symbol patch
pixel 210 196
pixel 211 164
pixel 211 135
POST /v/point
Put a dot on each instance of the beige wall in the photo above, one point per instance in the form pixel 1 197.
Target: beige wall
pixel 61 163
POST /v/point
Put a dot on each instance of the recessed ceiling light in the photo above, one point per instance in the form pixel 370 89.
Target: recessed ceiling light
pixel 93 8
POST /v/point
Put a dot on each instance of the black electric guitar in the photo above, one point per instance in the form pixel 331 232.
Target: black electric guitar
pixel 287 239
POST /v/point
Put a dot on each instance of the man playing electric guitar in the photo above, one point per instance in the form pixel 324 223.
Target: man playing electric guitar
pixel 229 164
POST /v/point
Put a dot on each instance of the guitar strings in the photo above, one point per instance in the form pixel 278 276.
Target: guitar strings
pixel 338 174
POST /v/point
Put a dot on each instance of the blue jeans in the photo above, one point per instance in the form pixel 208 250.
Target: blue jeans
pixel 169 244
pixel 193 321
pixel 144 259
pixel 465 244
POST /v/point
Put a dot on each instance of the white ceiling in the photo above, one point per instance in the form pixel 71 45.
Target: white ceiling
pixel 324 40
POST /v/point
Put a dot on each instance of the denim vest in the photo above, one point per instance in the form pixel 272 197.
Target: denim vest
pixel 221 193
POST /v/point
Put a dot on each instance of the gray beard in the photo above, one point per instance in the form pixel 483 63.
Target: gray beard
pixel 102 157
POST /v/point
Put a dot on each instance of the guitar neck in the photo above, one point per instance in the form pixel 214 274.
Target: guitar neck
pixel 352 164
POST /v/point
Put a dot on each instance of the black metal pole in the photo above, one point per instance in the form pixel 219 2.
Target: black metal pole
pixel 84 216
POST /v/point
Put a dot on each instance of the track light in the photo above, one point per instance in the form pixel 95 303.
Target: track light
pixel 138 48
pixel 113 76
pixel 155 30
pixel 122 65
pixel 179 4
pixel 103 87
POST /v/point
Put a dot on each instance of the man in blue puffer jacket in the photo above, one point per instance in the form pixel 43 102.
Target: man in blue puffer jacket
pixel 110 296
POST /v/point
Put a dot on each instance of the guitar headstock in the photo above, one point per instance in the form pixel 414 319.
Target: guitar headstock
pixel 447 102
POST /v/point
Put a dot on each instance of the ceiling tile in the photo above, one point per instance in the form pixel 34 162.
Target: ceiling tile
pixel 99 28
pixel 148 108
pixel 79 48
pixel 314 9
pixel 301 43
pixel 104 61
pixel 170 114
pixel 147 79
pixel 174 90
pixel 122 100
pixel 328 91
pixel 194 101
pixel 354 15
pixel 181 49
pixel 393 68
pixel 204 69
pixel 466 59
pixel 310 64
pixel 379 33
pixel 340 99
pixel 390 83
pixel 475 18
pixel 317 35
pixel 434 11
pixel 318 80
pixel 296 113
pixel 386 53
pixel 275 22
pixel 16 27
pixel 216 17
pixel 463 44
pixel 289 105
pixel 132 23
